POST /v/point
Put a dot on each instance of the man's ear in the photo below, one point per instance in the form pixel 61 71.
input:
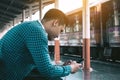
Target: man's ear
pixel 55 22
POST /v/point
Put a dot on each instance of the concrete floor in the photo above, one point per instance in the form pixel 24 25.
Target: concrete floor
pixel 101 71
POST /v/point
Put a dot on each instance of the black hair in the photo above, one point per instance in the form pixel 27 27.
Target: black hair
pixel 56 14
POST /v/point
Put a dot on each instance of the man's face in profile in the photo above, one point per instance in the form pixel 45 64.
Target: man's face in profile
pixel 55 31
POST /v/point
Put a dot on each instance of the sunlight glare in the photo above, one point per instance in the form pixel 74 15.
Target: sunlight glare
pixel 69 5
pixel 65 6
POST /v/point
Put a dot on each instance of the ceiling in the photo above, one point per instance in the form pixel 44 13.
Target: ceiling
pixel 10 9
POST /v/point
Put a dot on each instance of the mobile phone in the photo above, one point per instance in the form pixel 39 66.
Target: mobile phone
pixel 80 60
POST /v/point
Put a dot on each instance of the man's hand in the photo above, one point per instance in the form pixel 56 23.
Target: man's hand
pixel 68 62
pixel 74 65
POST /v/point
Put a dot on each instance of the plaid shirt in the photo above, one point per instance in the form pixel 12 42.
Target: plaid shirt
pixel 24 48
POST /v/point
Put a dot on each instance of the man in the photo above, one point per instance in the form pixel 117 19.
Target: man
pixel 25 47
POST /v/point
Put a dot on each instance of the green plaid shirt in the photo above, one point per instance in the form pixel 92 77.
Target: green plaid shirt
pixel 24 48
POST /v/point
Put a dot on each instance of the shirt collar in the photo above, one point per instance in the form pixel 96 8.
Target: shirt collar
pixel 41 24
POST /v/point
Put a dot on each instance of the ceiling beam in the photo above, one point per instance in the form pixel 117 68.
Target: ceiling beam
pixel 5 16
pixel 10 7
pixel 3 20
pixel 22 3
pixel 8 13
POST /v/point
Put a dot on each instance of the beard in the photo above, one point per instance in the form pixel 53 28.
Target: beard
pixel 50 38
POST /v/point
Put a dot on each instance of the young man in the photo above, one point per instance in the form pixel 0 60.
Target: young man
pixel 25 47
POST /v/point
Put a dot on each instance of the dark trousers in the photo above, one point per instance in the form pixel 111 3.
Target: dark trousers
pixel 41 78
pixel 34 75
